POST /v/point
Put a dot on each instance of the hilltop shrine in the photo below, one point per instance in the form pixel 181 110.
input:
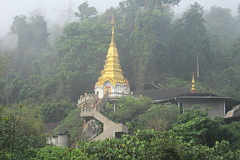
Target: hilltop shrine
pixel 110 86
pixel 112 81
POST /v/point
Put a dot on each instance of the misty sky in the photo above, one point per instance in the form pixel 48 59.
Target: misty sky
pixel 54 9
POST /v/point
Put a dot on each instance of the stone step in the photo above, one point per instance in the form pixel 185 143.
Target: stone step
pixel 92 110
pixel 107 123
pixel 111 132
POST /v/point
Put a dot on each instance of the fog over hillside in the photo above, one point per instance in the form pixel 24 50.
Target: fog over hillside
pixel 207 4
pixel 54 10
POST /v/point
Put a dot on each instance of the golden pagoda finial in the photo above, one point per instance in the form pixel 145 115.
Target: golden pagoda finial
pixel 193 89
pixel 113 22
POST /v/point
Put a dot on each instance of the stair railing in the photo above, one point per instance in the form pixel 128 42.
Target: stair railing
pixel 101 104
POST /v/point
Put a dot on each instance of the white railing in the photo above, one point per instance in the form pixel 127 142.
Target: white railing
pixel 113 95
pixel 91 101
pixel 85 100
pixel 101 104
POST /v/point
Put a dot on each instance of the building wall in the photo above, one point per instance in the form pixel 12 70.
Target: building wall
pixel 118 88
pixel 216 107
pixel 63 140
pixel 59 140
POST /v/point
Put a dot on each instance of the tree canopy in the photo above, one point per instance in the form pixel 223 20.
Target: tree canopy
pixel 46 75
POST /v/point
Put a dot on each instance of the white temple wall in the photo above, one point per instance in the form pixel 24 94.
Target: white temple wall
pixel 119 89
pixel 63 140
pixel 99 90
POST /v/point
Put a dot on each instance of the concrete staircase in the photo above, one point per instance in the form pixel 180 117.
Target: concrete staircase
pixel 91 107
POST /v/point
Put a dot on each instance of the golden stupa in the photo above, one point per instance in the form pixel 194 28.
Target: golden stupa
pixel 112 71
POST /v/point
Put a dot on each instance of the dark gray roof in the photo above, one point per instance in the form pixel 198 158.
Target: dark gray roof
pixel 160 94
pixel 196 95
pixel 229 102
pixel 50 126
pixel 173 95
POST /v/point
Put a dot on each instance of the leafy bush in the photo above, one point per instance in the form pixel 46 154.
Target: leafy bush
pixel 55 112
pixel 152 145
pixel 159 117
pixel 128 108
pixel 194 126
pixel 56 153
pixel 13 143
pixel 141 113
pixel 72 124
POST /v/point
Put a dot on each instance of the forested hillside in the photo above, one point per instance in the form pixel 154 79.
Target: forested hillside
pixel 153 45
pixel 42 78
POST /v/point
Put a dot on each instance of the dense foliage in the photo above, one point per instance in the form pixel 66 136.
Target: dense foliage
pixel 193 135
pixel 71 124
pixel 184 142
pixel 155 48
pixel 14 143
pixel 55 153
pixel 141 113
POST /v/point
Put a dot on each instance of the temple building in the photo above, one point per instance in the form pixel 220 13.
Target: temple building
pixel 112 81
pixel 110 86
pixel 217 106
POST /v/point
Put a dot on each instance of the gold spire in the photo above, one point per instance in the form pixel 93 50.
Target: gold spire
pixel 112 70
pixel 113 23
pixel 193 89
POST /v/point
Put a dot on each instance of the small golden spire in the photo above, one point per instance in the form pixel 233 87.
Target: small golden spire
pixel 193 89
pixel 113 22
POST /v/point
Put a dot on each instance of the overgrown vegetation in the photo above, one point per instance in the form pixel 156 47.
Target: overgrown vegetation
pixel 71 124
pixel 141 113
pixel 46 79
pixel 16 141
pixel 193 136
pixel 170 135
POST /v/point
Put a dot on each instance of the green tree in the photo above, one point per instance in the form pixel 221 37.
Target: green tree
pixel 223 29
pixel 81 52
pixel 20 28
pixel 53 152
pixel 85 12
pixel 13 143
pixel 16 88
pixel 141 113
pixel 71 124
pixel 189 43
pixel 30 120
pixel 195 127
pixel 31 35
pixel 128 109
pixel 229 75
pixel 59 109
pixel 145 26
pixel 136 5
pixel 32 42
pixel 158 117
pixel 38 26
pixel 149 144
pixel 149 47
